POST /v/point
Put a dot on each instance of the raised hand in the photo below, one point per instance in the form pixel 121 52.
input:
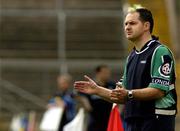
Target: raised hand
pixel 88 87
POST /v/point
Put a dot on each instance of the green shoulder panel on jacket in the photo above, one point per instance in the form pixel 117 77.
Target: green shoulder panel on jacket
pixel 162 71
pixel 162 67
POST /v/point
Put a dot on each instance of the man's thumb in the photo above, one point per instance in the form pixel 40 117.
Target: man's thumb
pixel 87 78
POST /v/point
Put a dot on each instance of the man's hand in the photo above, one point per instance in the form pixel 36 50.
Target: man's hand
pixel 119 95
pixel 88 87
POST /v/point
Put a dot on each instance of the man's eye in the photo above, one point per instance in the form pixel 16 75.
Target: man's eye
pixel 132 23
pixel 129 23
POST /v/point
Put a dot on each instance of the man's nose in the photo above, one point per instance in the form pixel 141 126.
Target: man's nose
pixel 127 27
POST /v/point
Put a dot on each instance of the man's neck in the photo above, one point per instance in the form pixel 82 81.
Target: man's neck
pixel 141 42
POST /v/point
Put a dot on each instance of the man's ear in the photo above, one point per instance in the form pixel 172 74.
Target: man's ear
pixel 147 25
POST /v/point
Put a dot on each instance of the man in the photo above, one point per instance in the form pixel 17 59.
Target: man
pixel 148 89
pixel 98 116
pixel 63 98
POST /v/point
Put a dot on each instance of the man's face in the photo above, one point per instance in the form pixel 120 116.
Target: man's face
pixel 134 28
pixel 63 83
pixel 104 74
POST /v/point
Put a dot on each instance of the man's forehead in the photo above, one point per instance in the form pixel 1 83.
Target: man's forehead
pixel 132 16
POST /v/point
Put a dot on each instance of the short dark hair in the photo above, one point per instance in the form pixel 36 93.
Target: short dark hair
pixel 146 16
pixel 99 68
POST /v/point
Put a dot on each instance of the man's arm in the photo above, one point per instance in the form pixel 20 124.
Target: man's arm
pixel 118 95
pixel 147 93
pixel 104 93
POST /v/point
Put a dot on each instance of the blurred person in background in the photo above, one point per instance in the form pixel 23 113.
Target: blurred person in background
pixel 64 98
pixel 148 88
pixel 101 109
pixel 67 99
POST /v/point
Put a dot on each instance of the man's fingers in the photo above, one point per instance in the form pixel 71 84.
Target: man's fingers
pixel 114 99
pixel 81 83
pixel 115 91
pixel 114 95
pixel 79 88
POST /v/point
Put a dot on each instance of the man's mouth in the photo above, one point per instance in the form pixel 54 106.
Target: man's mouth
pixel 128 33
